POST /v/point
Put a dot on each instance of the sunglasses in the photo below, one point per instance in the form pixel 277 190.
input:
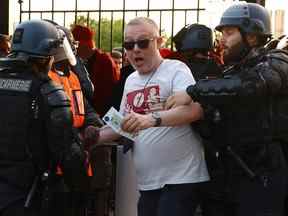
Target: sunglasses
pixel 142 44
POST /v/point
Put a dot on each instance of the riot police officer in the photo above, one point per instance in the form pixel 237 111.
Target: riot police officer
pixel 249 118
pixel 36 124
pixel 195 43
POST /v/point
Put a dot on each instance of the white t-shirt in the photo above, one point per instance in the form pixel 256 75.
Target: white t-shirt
pixel 163 155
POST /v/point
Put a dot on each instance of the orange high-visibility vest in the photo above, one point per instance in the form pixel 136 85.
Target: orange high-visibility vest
pixel 73 90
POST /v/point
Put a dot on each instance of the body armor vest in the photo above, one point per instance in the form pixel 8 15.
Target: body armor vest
pixel 251 112
pixel 254 128
pixel 29 105
pixel 15 153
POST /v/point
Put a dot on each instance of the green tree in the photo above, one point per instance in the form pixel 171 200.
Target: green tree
pixel 106 42
pixel 167 39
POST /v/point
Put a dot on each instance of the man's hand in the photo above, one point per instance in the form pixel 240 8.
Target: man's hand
pixel 179 98
pixel 134 122
pixel 91 136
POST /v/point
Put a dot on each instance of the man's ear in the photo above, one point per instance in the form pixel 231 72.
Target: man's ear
pixel 159 42
pixel 252 40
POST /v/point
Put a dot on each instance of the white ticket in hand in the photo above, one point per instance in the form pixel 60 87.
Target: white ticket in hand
pixel 113 119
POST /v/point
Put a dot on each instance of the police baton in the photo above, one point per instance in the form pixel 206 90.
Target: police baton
pixel 31 192
pixel 241 163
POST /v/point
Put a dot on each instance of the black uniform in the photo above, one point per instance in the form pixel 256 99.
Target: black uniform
pixel 204 68
pixel 249 122
pixel 84 78
pixel 36 135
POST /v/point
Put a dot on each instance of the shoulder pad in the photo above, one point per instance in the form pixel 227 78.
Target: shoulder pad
pixel 278 60
pixel 13 63
pixel 278 54
pixel 50 86
pixel 55 94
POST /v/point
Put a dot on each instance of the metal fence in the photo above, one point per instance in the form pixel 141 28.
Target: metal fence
pixel 165 17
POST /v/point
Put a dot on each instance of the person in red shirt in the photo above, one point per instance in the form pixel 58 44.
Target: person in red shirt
pixel 101 67
pixel 5 45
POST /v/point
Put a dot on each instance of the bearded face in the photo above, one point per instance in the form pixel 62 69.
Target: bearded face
pixel 233 44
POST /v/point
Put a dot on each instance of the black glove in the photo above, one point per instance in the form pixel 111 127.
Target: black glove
pixel 91 136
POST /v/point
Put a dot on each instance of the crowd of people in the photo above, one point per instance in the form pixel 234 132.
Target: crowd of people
pixel 209 119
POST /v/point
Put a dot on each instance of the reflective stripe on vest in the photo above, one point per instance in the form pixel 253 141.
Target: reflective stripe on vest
pixel 72 88
pixel 89 170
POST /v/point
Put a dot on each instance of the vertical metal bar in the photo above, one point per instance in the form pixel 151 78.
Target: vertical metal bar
pixel 123 22
pixel 160 23
pixel 172 31
pixel 20 2
pixel 148 8
pixel 76 10
pixel 185 18
pixel 198 10
pixel 29 9
pixel 88 18
pixel 4 17
pixel 262 2
pixel 111 31
pixel 64 19
pixel 52 9
pixel 99 25
pixel 41 15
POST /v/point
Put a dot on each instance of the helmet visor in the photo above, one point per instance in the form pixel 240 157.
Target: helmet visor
pixel 69 52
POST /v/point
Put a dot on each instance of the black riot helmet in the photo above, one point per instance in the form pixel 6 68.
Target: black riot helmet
pixel 37 38
pixel 195 36
pixel 248 17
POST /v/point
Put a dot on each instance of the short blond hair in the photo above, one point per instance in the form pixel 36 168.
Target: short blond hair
pixel 144 20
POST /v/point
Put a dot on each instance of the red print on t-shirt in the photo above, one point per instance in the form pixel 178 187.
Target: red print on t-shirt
pixel 144 100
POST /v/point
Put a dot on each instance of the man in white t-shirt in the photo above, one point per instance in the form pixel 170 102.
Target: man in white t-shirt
pixel 168 155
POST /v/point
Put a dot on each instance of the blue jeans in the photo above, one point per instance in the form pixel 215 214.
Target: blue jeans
pixel 171 200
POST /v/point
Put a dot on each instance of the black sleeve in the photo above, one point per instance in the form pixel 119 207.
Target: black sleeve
pixel 91 117
pixel 58 121
pixel 84 78
pixel 256 83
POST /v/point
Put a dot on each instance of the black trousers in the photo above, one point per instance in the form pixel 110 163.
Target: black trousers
pixel 17 209
pixel 172 200
pixel 242 196
pixel 61 204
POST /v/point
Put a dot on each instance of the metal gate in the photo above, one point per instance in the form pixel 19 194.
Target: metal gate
pixel 170 19
pixel 165 17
